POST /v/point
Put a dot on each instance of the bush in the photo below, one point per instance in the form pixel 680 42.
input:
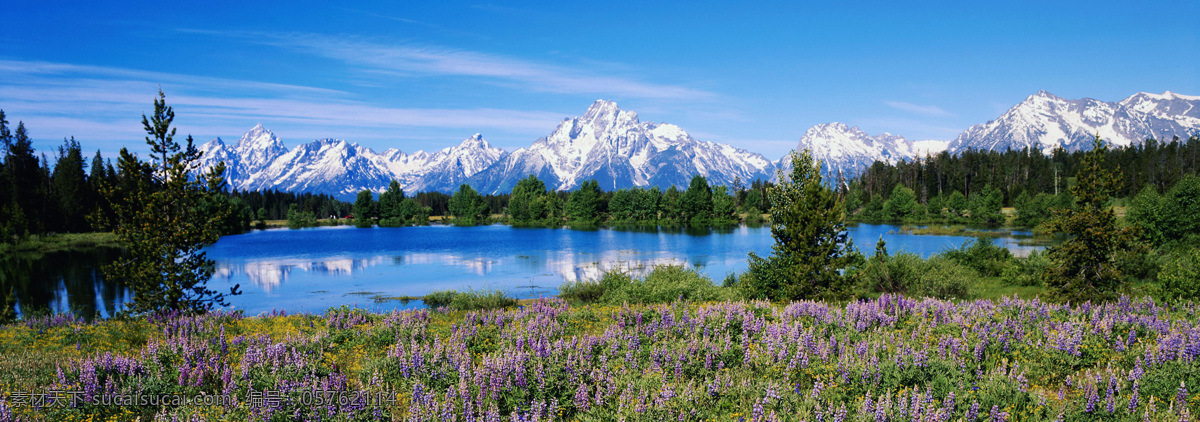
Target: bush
pixel 668 283
pixel 664 284
pixel 591 291
pixel 469 300
pixel 440 298
pixel 908 274
pixel 892 274
pixel 982 256
pixel 1027 271
pixel 1180 276
pixel 944 279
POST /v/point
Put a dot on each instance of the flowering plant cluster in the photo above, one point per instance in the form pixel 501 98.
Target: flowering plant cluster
pixel 887 359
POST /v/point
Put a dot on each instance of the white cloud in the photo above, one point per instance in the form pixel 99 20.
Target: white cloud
pixel 411 60
pixel 105 104
pixel 924 110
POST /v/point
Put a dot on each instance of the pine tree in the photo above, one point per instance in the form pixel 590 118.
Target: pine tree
pixel 160 222
pixel 1084 266
pixel 72 196
pixel 811 243
pixel 467 206
pixel 697 203
pixel 527 202
pixel 364 208
pixel 586 204
pixel 25 184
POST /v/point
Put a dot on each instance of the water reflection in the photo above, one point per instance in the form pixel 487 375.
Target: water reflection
pixel 270 274
pixel 61 282
pixel 313 269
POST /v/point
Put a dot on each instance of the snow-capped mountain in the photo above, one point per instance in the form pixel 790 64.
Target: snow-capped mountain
pixel 849 151
pixel 442 170
pixel 259 161
pixel 1044 121
pixel 618 150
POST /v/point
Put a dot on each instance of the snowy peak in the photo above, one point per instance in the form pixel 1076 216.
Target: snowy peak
pixel 848 150
pixel 1044 122
pixel 614 147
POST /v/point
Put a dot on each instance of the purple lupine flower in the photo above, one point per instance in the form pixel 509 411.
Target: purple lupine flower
pixel 880 415
pixel 948 403
pixel 1092 397
pixel 1137 371
pixel 997 415
pixel 1110 397
pixel 816 392
pixel 840 415
pixel 581 397
pixel 973 412
pixel 1181 395
pixel 1133 397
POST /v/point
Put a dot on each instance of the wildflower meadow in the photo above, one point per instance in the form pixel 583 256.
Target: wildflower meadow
pixel 888 359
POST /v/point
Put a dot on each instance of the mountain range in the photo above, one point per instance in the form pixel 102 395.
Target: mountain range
pixel 614 147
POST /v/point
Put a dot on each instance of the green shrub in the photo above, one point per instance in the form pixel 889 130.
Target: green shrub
pixel 585 291
pixel 1026 271
pixel 469 300
pixel 440 298
pixel 666 284
pixel 892 274
pixel 473 300
pixel 944 279
pixel 1180 275
pixel 982 256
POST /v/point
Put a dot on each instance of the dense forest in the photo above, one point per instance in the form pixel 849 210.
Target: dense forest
pixel 972 186
pixel 531 203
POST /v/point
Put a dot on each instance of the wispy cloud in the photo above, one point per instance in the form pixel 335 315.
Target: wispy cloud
pixel 924 110
pixel 912 129
pixel 418 60
pixel 103 103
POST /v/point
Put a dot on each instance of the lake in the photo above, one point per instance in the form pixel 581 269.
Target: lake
pixel 310 270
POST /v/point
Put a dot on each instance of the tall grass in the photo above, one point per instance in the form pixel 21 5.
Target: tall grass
pixel 470 300
pixel 664 284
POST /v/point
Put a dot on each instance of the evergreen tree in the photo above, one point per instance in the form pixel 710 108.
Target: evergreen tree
pixel 364 208
pixel 901 204
pixel 389 201
pixel 669 205
pixel 1084 266
pixel 586 204
pixel 413 213
pixel 467 206
pixel 72 195
pixel 6 218
pixel 528 201
pixel 986 207
pixel 811 243
pixel 753 203
pixel 697 203
pixel 26 185
pixel 724 206
pixel 162 225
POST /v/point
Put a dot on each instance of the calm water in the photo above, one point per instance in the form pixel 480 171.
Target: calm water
pixel 309 270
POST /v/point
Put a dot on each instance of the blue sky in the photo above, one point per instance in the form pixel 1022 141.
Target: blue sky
pixel 425 75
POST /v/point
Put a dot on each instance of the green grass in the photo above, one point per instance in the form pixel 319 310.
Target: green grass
pixel 469 300
pixel 62 242
pixel 664 284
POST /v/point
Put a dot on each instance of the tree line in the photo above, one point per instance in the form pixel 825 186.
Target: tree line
pixel 972 186
pixel 531 203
